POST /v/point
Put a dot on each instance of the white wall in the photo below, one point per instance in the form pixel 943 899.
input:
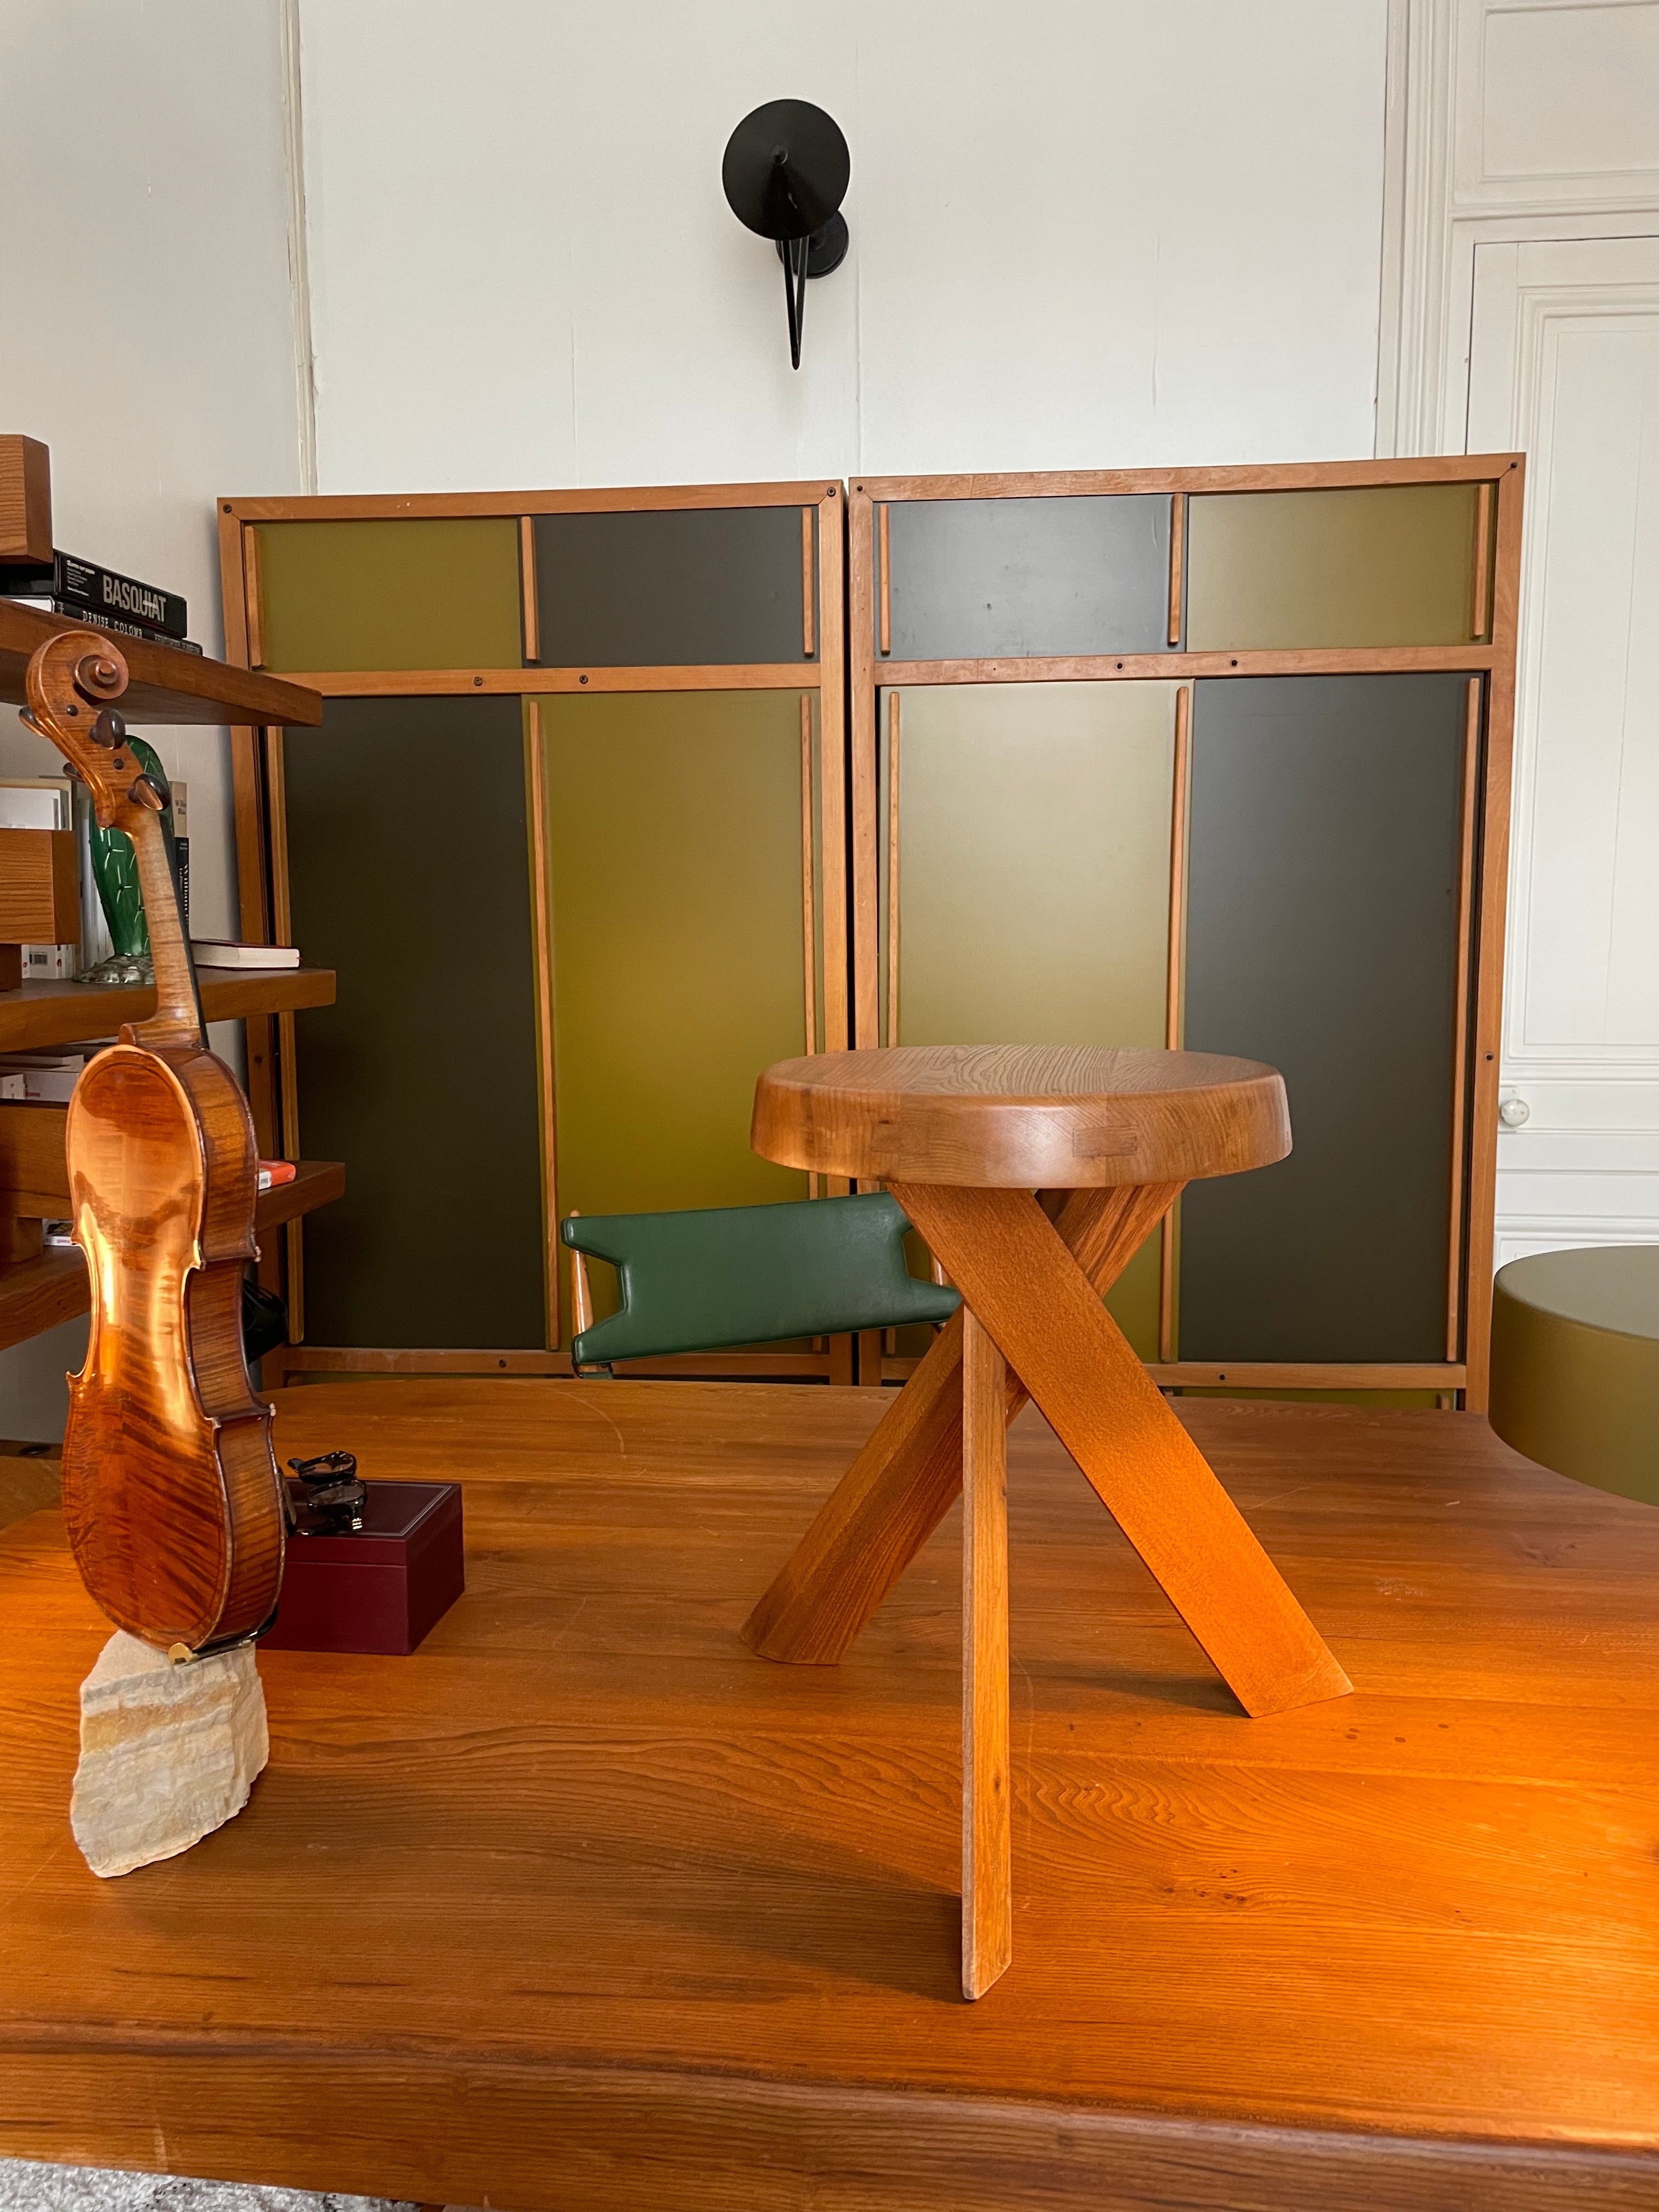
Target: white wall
pixel 1525 238
pixel 1085 233
pixel 143 266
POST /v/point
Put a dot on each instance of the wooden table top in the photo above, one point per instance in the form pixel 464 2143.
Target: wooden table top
pixel 584 1905
pixel 1015 1116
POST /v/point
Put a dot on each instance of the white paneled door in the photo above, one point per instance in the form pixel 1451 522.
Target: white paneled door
pixel 1565 364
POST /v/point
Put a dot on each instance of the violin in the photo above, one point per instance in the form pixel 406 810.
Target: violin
pixel 171 1489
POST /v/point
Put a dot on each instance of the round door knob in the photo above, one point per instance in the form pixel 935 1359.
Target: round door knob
pixel 1514 1112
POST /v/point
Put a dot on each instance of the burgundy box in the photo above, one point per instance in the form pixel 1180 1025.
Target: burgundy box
pixel 379 1588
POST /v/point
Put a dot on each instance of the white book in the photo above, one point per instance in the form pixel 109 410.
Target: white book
pixel 46 1085
pixel 35 802
pixel 216 952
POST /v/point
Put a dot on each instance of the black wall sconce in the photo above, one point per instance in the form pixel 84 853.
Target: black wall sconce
pixel 786 173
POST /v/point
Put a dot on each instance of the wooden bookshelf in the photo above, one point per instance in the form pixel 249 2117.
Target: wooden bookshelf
pixel 167 685
pixel 39 1016
pixel 38 1294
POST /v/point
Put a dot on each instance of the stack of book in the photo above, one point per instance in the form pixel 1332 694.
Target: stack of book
pixel 84 591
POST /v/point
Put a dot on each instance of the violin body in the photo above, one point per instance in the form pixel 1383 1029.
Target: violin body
pixel 170 1485
pixel 171 1489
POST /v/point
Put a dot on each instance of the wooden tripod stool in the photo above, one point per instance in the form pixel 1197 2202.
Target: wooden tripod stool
pixel 963 1136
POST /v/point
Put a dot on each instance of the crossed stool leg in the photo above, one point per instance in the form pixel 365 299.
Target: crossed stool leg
pixel 1032 1324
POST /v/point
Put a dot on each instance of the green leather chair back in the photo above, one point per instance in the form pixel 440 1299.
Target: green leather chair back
pixel 749 1274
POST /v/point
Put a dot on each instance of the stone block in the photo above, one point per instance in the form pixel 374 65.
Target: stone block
pixel 168 1753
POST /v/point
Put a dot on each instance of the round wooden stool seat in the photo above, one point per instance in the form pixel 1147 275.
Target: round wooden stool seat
pixel 1021 1117
pixel 1575 1365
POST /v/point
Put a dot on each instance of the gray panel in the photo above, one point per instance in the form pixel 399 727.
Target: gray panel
pixel 409 874
pixel 986 579
pixel 670 587
pixel 1322 937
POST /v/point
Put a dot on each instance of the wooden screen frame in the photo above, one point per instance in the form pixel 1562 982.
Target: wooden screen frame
pixel 1495 610
pixel 262 858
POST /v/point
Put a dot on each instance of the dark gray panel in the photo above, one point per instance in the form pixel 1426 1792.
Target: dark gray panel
pixel 685 586
pixel 988 579
pixel 1322 937
pixel 409 874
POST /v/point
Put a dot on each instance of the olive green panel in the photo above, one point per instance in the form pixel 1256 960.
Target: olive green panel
pixel 422 1075
pixel 1575 1365
pixel 1392 564
pixel 674 853
pixel 416 594
pixel 1034 878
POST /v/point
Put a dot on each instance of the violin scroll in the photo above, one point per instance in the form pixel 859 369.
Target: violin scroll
pixel 71 680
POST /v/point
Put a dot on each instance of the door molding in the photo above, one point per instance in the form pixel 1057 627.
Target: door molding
pixel 1448 190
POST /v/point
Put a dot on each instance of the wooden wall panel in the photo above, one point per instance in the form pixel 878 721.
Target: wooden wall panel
pixel 1321 937
pixel 1033 852
pixel 1384 565
pixel 675 587
pixel 373 594
pixel 674 856
pixel 1007 577
pixel 409 874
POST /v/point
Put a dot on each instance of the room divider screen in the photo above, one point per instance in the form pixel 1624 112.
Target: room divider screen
pixel 1217 758
pixel 620 796
pixel 573 830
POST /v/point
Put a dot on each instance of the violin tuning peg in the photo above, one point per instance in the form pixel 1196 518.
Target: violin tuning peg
pixel 146 791
pixel 109 729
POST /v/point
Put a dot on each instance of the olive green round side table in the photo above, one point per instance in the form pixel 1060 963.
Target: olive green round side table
pixel 1575 1365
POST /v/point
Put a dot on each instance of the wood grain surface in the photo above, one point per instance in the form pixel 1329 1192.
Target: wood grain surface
pixel 356 507
pixel 584 1906
pixel 43 1015
pixel 987 1903
pixel 908 1474
pixel 1014 1272
pixel 1021 1116
pixel 167 685
pixel 39 1292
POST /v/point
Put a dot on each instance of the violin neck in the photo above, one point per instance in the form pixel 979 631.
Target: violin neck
pixel 178 1017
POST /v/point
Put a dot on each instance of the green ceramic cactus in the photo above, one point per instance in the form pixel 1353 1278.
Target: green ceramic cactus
pixel 115 867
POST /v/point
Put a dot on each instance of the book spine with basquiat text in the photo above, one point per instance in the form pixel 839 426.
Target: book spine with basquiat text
pixel 88 586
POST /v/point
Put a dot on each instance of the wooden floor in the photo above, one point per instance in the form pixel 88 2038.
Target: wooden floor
pixel 584 1906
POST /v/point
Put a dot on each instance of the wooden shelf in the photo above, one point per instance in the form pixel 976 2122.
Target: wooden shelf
pixel 316 1183
pixel 38 1016
pixel 166 685
pixel 37 1294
